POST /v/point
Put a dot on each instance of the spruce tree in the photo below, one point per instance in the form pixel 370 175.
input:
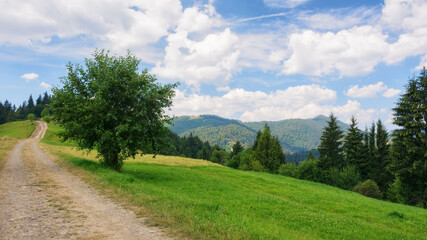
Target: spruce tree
pixel 237 148
pixel 330 148
pixel 30 104
pixel 372 156
pixel 310 156
pixel 258 135
pixel 268 151
pixel 11 116
pixel 364 161
pixel 383 157
pixel 409 153
pixel 353 144
pixel 46 99
pixel 7 106
pixel 3 114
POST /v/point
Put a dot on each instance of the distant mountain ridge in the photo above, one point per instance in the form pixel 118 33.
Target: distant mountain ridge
pixel 295 135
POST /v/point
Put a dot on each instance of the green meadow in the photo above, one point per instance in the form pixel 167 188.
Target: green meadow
pixel 10 133
pixel 19 129
pixel 200 200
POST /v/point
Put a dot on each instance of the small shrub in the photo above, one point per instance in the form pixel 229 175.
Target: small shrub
pixel 369 188
pixel 31 117
pixel 47 118
pixel 345 178
pixel 308 170
pixel 245 159
pixel 289 170
pixel 395 214
pixel 257 166
pixel 45 112
pixel 219 156
pixel 234 162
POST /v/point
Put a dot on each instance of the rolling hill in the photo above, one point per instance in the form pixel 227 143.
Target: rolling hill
pixel 196 199
pixel 295 135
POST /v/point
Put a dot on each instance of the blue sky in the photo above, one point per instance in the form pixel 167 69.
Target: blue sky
pixel 248 60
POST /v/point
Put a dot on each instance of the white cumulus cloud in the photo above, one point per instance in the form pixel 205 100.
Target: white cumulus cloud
pixel 45 85
pixel 305 101
pixel 351 52
pixel 423 63
pixel 211 60
pixel 391 93
pixel 29 76
pixel 371 90
pixel 118 25
pixel 357 50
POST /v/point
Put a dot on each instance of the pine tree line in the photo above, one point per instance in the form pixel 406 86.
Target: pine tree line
pixel 39 108
pixel 372 162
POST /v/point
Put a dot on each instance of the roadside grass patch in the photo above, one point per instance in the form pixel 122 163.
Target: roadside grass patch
pixel 6 146
pixel 51 136
pixel 213 202
pixel 9 135
pixel 18 129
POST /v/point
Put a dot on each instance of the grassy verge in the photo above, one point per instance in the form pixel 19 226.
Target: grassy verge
pixel 19 129
pixel 9 135
pixel 200 200
pixel 6 146
pixel 52 136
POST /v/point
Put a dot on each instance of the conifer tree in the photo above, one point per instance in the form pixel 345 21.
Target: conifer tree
pixel 30 103
pixel 311 156
pixel 46 99
pixel 237 148
pixel 409 153
pixel 353 144
pixel 258 135
pixel 7 106
pixel 364 161
pixel 268 151
pixel 11 116
pixel 384 177
pixel 330 148
pixel 372 156
pixel 3 114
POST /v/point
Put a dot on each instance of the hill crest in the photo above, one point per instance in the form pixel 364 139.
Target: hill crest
pixel 295 135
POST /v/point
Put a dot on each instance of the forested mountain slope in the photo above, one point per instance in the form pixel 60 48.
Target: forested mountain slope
pixel 294 134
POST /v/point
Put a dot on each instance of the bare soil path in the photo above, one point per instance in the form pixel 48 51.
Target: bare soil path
pixel 40 200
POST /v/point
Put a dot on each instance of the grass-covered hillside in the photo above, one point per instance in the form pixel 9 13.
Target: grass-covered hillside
pixel 295 135
pixel 224 136
pixel 18 129
pixel 200 200
pixel 185 123
pixel 9 135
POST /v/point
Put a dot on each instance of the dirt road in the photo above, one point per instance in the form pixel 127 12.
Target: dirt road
pixel 40 200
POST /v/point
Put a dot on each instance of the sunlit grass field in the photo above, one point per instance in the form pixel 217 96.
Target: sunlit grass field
pixel 18 129
pixel 201 200
pixel 9 135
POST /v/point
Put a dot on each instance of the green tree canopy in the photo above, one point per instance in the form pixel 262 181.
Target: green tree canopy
pixel 111 107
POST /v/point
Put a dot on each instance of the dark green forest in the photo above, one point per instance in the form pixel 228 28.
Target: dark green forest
pixel 39 109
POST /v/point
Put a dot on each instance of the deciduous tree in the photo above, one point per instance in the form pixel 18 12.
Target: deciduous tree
pixel 110 106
